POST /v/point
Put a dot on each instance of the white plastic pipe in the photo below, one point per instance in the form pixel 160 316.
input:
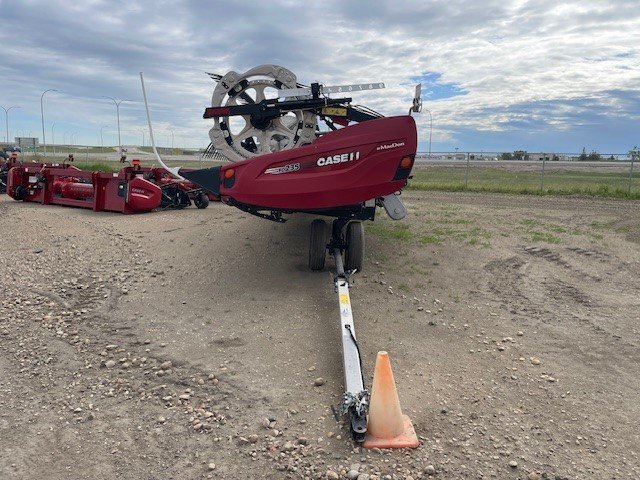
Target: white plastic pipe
pixel 173 171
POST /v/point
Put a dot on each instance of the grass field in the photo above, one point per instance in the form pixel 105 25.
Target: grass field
pixel 505 180
pixel 80 149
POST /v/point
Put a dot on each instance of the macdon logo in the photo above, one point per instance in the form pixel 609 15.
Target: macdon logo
pixel 339 158
pixel 390 145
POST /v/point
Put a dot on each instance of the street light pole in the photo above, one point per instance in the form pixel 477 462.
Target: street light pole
pixel 6 117
pixel 44 141
pixel 101 138
pixel 172 152
pixel 430 130
pixel 53 139
pixel 117 104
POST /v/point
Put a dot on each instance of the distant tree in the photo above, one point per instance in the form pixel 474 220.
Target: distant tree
pixel 583 156
pixel 520 155
pixel 555 158
pixel 594 156
pixel 611 158
pixel 634 153
pixel 506 156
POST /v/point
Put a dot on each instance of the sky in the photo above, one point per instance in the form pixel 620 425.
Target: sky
pixel 553 76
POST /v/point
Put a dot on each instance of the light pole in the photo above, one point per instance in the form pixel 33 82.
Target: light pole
pixel 101 138
pixel 44 140
pixel 143 137
pixel 172 152
pixel 430 130
pixel 6 117
pixel 117 104
pixel 53 139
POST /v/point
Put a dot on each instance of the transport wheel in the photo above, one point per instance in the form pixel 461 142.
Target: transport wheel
pixel 318 245
pixel 181 199
pixel 354 253
pixel 201 201
pixel 19 192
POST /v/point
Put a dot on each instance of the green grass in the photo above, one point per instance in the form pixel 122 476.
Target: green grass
pixel 502 180
pixel 429 239
pixel 388 231
pixel 432 231
pixel 100 166
pixel 544 231
pixel 538 236
pixel 612 226
pixel 539 231
pixel 77 150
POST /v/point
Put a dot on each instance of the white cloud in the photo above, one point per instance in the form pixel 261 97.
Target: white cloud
pixel 558 66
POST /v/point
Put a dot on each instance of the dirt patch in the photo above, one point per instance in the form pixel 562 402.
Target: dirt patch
pixel 154 346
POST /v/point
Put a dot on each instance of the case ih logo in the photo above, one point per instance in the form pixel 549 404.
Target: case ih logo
pixel 390 145
pixel 339 158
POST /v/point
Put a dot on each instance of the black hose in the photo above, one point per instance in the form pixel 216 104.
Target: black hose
pixel 348 327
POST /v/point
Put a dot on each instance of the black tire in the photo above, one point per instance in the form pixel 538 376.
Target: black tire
pixel 19 193
pixel 182 199
pixel 318 245
pixel 354 253
pixel 201 200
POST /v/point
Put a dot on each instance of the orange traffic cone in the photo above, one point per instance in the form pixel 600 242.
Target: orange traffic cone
pixel 387 427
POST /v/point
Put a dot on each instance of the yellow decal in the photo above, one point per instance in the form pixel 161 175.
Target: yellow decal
pixel 344 299
pixel 336 111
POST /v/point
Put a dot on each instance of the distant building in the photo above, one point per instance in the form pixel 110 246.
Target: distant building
pixel 547 157
pixel 534 156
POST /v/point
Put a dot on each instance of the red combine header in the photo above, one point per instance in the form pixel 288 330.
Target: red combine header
pixel 134 189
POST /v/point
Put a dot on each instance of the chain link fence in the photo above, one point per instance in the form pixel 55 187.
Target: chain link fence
pixel 108 159
pixel 613 174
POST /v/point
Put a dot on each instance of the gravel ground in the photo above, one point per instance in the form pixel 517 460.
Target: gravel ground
pixel 188 344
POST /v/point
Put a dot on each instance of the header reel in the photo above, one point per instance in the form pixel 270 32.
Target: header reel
pixel 242 129
pixel 265 110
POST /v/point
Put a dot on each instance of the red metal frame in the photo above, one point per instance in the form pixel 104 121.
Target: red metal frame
pixel 345 167
pixel 133 189
pixel 67 185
